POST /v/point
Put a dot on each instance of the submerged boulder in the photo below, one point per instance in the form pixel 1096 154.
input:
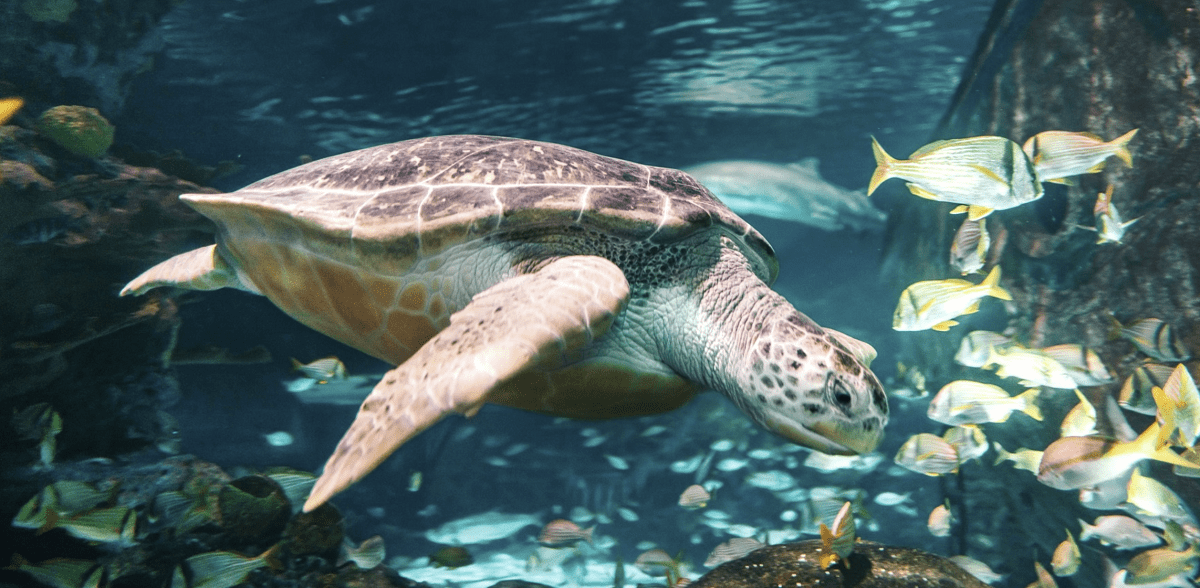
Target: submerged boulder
pixel 872 565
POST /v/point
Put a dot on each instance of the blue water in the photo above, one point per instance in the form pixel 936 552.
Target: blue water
pixel 670 83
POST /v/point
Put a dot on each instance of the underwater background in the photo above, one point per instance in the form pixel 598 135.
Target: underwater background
pixel 220 93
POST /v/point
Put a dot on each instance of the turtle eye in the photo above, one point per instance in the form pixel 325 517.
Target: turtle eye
pixel 842 397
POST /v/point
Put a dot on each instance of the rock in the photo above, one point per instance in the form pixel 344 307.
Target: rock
pixel 872 565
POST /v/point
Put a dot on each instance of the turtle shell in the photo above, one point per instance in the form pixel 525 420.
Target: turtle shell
pixel 381 208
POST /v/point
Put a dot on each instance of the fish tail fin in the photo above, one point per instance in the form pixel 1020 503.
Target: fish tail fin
pixel 296 365
pixel 271 557
pixel 883 166
pixel 992 281
pixel 587 534
pixel 1147 444
pixel 1085 530
pixel 1001 455
pixel 1029 399
pixel 52 518
pixel 1166 413
pixel 1122 145
pixel 1114 329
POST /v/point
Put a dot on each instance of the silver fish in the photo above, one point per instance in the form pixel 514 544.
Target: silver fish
pixel 981 173
pixel 1057 155
pixel 968 251
pixel 794 192
pixel 933 304
pixel 1110 227
pixel 1154 337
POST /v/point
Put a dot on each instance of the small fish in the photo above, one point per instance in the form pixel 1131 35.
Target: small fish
pixel 1152 498
pixel 1023 459
pixel 892 498
pixel 1179 405
pixel 1110 227
pixel 564 533
pixel 694 497
pixel 968 440
pixel 618 463
pixel 367 555
pixel 968 251
pixel 773 480
pixel 1080 420
pixel 1083 364
pixel 1154 337
pixel 451 557
pixel 1136 392
pixel 926 453
pixel 1057 155
pixel 823 462
pixel 687 466
pixel 414 481
pixel 62 572
pixel 223 569
pixel 1066 557
pixel 595 441
pixel 1070 463
pixel 964 402
pixel 497 461
pixel 322 370
pixel 837 540
pixel 981 173
pixel 974 348
pixel 735 548
pixel 1119 531
pixel 296 484
pixel 627 514
pixel 279 439
pixel 653 430
pixel 976 568
pixel 933 304
pixel 939 520
pixel 1157 565
pixel 9 107
pixel 1031 366
pixel 656 562
pixel 117 524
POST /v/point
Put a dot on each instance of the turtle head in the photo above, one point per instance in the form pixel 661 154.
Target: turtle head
pixel 813 386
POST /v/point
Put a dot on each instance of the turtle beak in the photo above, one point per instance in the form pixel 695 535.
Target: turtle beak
pixel 826 437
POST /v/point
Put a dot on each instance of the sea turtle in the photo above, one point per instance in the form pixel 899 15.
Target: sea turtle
pixel 531 275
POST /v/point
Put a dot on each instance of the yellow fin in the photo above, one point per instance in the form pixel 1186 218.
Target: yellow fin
pixel 976 212
pixel 1063 181
pixel 974 308
pixel 960 209
pixel 944 325
pixel 1122 151
pixel 883 166
pixel 922 192
pixel 9 107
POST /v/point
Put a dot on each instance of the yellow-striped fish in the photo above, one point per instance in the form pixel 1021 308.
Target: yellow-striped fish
pixel 926 453
pixel 964 402
pixel 1057 155
pixel 1066 557
pixel 968 251
pixel 981 173
pixel 1157 565
pixel 837 541
pixel 564 533
pixel 321 370
pixel 1070 463
pixel 968 441
pixel 1178 406
pixel 735 548
pixel 61 572
pixel 222 569
pixel 1080 420
pixel 974 348
pixel 1153 498
pixel 933 304
pixel 1154 337
pixel 694 496
pixel 1110 227
pixel 1031 366
pixel 1083 364
pixel 1136 391
pixel 367 555
pixel 117 524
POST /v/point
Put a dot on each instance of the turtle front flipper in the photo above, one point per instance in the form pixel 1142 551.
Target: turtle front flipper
pixel 198 269
pixel 535 319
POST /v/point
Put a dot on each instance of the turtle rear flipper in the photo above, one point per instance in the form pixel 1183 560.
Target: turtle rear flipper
pixel 535 319
pixel 198 269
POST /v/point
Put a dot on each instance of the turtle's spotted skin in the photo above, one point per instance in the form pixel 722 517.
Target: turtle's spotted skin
pixel 531 275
